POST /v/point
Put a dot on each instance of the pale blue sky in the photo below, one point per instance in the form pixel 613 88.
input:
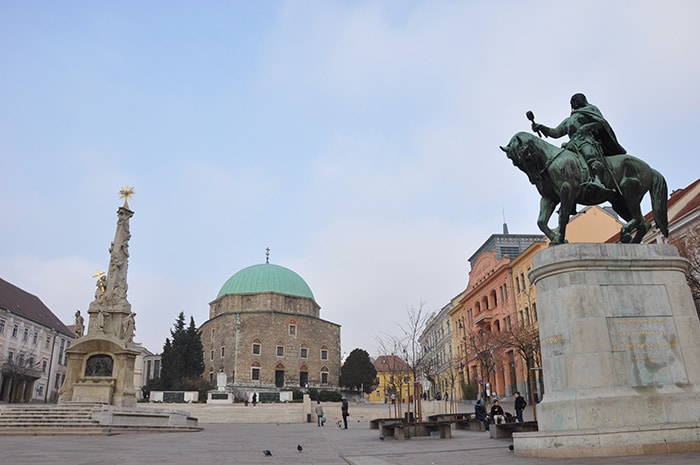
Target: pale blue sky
pixel 358 140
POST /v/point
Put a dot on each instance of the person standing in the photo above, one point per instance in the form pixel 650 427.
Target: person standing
pixel 344 410
pixel 520 405
pixel 255 398
pixel 319 413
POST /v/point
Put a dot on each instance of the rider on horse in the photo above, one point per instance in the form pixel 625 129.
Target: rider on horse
pixel 590 136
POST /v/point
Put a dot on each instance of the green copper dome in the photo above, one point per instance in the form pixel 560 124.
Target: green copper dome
pixel 266 277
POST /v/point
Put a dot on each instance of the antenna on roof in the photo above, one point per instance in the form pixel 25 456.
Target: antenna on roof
pixel 505 225
pixel 267 255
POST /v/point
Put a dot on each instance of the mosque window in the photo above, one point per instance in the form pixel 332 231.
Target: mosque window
pixel 292 330
pixel 280 351
pixel 324 375
pixel 256 348
pixel 211 355
pixel 324 353
pixel 255 371
pixel 304 352
pixel 2 326
pixel 249 302
pixel 212 334
pixel 222 351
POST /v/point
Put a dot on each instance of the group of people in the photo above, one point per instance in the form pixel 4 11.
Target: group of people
pixel 321 417
pixel 497 415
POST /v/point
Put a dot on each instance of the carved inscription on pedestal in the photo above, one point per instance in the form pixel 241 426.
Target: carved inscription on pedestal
pixel 650 345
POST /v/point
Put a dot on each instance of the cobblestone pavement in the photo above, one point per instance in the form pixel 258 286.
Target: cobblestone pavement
pixel 222 444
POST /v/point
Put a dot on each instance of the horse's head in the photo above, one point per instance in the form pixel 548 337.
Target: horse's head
pixel 520 150
pixel 516 150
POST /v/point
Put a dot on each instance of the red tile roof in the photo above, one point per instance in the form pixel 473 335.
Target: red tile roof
pixel 391 363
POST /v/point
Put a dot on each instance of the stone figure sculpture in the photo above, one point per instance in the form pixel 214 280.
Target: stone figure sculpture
pixel 562 178
pixel 79 324
pixel 128 327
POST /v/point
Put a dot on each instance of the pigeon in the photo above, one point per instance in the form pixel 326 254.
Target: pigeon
pixel 267 453
pixel 510 447
pixel 381 438
pixel 299 448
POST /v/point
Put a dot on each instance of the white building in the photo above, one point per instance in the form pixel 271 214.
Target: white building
pixel 33 342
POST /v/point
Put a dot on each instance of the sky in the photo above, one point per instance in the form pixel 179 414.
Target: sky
pixel 358 140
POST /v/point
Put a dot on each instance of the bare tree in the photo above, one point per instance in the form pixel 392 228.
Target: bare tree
pixel 409 349
pixel 21 369
pixel 524 337
pixel 389 346
pixel 484 348
pixel 689 248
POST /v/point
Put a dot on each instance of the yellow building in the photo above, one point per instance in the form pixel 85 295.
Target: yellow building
pixel 395 380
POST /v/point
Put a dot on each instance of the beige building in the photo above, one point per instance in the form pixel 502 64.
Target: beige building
pixel 265 333
pixel 33 344
pixel 437 361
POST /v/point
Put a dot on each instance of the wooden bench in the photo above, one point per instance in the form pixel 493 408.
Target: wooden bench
pixel 424 428
pixel 390 427
pixel 506 430
pixel 470 424
pixel 402 430
pixel 376 422
pixel 449 416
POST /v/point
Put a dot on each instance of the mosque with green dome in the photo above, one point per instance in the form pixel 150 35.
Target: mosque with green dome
pixel 265 333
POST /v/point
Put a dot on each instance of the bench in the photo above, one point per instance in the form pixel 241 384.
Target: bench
pixel 402 430
pixel 470 424
pixel 449 416
pixel 506 430
pixel 390 427
pixel 376 422
pixel 425 428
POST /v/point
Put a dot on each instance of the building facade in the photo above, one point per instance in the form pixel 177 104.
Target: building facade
pixel 265 333
pixel 437 360
pixel 33 344
pixel 395 381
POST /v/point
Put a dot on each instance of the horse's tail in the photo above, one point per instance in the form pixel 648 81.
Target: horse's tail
pixel 659 201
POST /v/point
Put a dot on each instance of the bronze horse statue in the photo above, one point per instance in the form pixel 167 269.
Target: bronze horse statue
pixel 561 177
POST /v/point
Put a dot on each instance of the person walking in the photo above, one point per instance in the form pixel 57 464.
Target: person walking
pixel 344 411
pixel 520 405
pixel 319 413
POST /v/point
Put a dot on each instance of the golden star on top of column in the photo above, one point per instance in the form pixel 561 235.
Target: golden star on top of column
pixel 126 193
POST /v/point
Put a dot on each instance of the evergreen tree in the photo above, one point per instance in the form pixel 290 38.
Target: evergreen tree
pixel 182 361
pixel 358 371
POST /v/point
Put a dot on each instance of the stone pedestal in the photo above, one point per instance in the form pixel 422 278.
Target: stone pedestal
pixel 111 385
pixel 620 341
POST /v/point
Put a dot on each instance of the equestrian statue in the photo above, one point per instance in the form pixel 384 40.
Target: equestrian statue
pixel 589 169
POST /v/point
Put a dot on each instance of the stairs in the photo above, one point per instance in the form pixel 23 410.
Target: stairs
pixel 87 418
pixel 63 419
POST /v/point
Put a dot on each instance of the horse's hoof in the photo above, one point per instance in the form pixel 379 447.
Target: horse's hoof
pixel 625 238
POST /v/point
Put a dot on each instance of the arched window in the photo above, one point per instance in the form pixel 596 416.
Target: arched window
pixel 324 375
pixel 324 353
pixel 257 346
pixel 292 327
pixel 255 371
